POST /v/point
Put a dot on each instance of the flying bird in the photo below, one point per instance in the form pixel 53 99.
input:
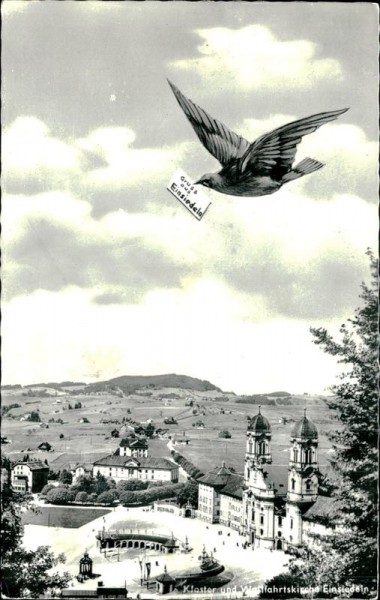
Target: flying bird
pixel 258 168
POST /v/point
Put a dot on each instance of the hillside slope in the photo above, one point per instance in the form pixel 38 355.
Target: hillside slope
pixel 133 382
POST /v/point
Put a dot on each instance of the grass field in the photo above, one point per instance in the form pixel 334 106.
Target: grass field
pixel 69 517
pixel 87 442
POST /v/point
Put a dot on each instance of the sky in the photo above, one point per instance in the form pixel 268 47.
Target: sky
pixel 104 272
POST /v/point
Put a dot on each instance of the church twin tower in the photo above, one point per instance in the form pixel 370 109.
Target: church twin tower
pixel 276 496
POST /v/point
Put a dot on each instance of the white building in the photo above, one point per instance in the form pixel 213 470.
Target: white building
pixel 277 507
pixel 220 497
pixel 132 446
pixel 122 468
pixel 30 476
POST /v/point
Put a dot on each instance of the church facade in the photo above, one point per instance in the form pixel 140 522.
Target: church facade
pixel 272 503
pixel 277 498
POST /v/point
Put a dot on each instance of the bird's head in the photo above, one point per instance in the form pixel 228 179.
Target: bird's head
pixel 207 180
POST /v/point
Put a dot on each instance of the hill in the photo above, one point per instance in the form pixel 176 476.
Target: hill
pixel 132 383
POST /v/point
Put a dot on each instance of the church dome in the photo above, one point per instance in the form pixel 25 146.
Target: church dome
pixel 305 429
pixel 259 423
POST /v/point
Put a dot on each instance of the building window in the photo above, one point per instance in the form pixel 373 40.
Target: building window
pixel 261 531
pixel 261 448
pixel 261 520
pixel 307 455
pixel 279 521
pixel 308 485
pixel 279 534
pixel 253 515
pixel 293 484
pixel 291 523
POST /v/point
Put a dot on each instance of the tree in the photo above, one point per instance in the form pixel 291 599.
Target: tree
pixel 224 434
pixel 34 416
pixel 65 477
pixel 127 498
pixel 108 497
pixel 347 556
pixel 354 403
pixel 58 495
pixel 131 485
pixel 188 494
pixel 100 484
pixel 46 489
pixel 81 497
pixel 24 572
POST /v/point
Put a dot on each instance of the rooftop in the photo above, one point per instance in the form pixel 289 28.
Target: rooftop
pixel 34 465
pixel 113 460
pixel 324 506
pixel 305 429
pixel 259 423
pixel 277 477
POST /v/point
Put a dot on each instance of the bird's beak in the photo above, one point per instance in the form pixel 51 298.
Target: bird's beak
pixel 199 182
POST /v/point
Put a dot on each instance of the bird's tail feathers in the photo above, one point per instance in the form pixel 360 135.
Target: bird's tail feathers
pixel 306 166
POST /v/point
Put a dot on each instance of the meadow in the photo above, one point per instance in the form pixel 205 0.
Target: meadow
pixel 86 442
pixel 69 517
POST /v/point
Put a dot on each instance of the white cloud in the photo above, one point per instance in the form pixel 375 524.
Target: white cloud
pixel 9 7
pixel 29 147
pixel 128 166
pixel 253 57
pixel 197 332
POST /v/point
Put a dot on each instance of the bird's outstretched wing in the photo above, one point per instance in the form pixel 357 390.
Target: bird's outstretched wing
pixel 220 141
pixel 274 152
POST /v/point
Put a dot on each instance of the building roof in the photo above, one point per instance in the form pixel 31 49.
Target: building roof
pixel 234 486
pixel 165 577
pixel 113 460
pixel 277 477
pixel 217 477
pixel 259 423
pixel 225 481
pixel 324 506
pixel 304 428
pixel 34 465
pixel 45 445
pixel 133 443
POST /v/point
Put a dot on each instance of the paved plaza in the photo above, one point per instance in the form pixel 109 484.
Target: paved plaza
pixel 249 569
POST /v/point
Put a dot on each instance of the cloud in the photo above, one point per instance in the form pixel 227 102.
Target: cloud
pixel 32 156
pixel 10 7
pixel 70 337
pixel 252 57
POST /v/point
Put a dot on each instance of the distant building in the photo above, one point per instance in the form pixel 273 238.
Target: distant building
pixel 45 447
pixel 30 476
pixel 79 470
pixel 131 446
pixel 180 440
pixel 122 468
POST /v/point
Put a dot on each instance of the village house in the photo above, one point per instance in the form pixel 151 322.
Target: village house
pixel 132 446
pixel 45 447
pixel 30 476
pixel 180 440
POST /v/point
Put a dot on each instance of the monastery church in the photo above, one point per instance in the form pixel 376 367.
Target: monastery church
pixel 275 507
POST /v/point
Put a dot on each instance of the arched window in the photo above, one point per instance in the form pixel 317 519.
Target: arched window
pixel 293 482
pixel 308 485
pixel 295 454
pixel 250 446
pixel 261 448
pixel 308 456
